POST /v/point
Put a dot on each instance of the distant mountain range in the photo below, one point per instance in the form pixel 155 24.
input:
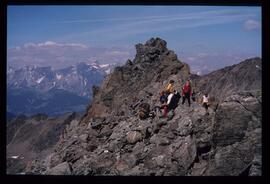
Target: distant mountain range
pixel 34 89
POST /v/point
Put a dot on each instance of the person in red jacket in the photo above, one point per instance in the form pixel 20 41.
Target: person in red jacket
pixel 186 92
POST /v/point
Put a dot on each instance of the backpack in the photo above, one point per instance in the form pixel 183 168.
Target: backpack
pixel 163 99
pixel 144 110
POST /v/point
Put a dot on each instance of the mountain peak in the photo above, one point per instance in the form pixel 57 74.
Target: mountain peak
pixel 153 65
pixel 156 42
pixel 152 50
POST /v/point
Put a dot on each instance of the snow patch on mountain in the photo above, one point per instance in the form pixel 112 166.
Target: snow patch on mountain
pixel 40 80
pixel 104 65
pixel 108 71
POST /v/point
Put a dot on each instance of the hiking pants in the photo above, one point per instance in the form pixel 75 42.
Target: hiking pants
pixel 205 105
pixel 165 112
pixel 186 96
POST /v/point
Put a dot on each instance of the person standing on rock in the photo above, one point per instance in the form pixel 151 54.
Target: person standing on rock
pixel 173 100
pixel 205 102
pixel 172 103
pixel 186 92
pixel 170 88
pixel 193 96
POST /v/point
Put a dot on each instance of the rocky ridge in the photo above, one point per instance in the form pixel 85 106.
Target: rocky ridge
pixel 30 138
pixel 112 140
pixel 245 76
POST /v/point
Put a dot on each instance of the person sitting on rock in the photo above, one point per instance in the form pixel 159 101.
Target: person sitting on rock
pixel 169 88
pixel 186 92
pixel 163 97
pixel 162 109
pixel 205 102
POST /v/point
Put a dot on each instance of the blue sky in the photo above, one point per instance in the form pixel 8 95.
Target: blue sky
pixel 198 34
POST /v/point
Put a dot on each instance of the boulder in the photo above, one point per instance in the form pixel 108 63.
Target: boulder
pixel 60 169
pixel 97 123
pixel 144 110
pixel 133 137
pixel 186 153
pixel 231 160
pixel 84 137
pixel 229 125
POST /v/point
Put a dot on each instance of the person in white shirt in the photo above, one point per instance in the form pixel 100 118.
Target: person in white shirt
pixel 170 98
pixel 205 102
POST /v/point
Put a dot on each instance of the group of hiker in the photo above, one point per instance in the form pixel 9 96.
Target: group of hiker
pixel 169 99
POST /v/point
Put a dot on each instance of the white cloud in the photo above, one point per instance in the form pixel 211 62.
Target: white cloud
pixel 60 55
pixel 77 45
pixel 252 24
pixel 191 58
pixel 161 23
pixel 29 45
pixel 54 44
pixel 202 54
pixel 214 60
pixel 48 43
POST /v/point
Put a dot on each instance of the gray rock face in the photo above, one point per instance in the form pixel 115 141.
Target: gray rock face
pixel 256 167
pixel 61 169
pixel 185 154
pixel 190 144
pixel 245 76
pixel 230 127
pixel 225 141
pixel 236 136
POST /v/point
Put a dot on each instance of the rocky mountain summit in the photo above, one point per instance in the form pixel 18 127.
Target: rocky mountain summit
pixel 139 80
pixel 111 140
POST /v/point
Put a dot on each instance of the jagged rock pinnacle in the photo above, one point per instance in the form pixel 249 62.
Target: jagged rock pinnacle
pixel 153 64
pixel 152 50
